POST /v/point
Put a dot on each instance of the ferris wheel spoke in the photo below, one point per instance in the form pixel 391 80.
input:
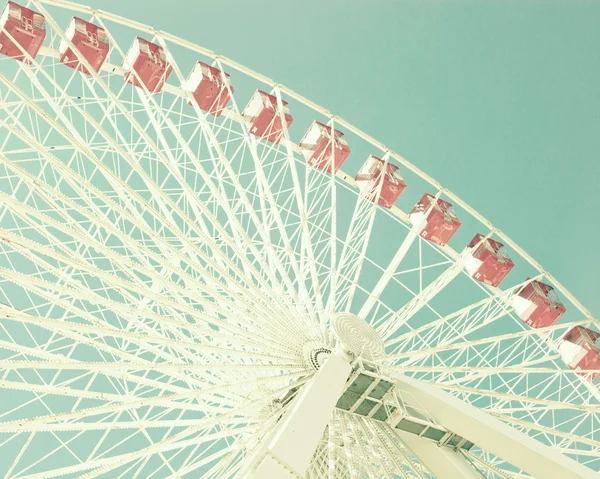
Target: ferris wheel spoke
pixel 167 443
pixel 267 188
pixel 59 420
pixel 526 401
pixel 521 351
pixel 225 456
pixel 113 277
pixel 272 206
pixel 234 460
pixel 533 346
pixel 388 274
pixel 280 219
pixel 60 390
pixel 490 375
pixel 556 331
pixel 28 282
pixel 21 208
pixel 220 159
pixel 220 452
pixel 235 457
pixel 393 265
pixel 271 200
pixel 450 334
pixel 303 212
pixel 105 464
pixel 97 128
pixel 359 460
pixel 82 332
pixel 391 325
pixel 103 366
pixel 348 445
pixel 492 357
pixel 565 416
pixel 104 279
pixel 225 384
pixel 454 326
pixel 120 425
pixel 56 357
pixel 42 392
pixel 82 313
pixel 238 234
pixel 320 198
pixel 355 246
pixel 55 199
pixel 403 315
pixel 63 169
pixel 41 290
pixel 320 205
pixel 509 399
pixel 491 371
pixel 177 370
pixel 227 468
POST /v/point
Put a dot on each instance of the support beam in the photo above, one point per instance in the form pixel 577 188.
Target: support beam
pixel 491 434
pixel 442 462
pixel 288 452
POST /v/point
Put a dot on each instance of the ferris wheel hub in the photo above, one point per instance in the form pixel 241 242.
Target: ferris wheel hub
pixel 357 336
pixel 315 354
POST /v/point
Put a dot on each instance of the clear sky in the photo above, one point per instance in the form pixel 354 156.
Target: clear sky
pixel 499 101
pixel 496 99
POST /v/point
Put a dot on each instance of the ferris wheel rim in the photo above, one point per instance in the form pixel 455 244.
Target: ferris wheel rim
pixel 339 120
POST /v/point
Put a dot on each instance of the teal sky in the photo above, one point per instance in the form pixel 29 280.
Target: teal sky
pixel 498 101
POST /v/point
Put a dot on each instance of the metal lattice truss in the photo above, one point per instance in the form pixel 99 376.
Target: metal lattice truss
pixel 163 272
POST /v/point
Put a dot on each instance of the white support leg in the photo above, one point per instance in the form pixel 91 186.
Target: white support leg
pixel 288 452
pixel 491 434
pixel 442 462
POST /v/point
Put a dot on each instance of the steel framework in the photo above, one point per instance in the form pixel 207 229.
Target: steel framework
pixel 168 281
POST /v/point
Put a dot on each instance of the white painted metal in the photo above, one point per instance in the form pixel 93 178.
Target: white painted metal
pixel 491 434
pixel 341 122
pixel 442 462
pixel 390 270
pixel 297 436
pixel 164 271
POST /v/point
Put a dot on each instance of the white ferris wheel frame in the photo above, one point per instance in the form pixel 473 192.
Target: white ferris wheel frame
pixel 223 60
pixel 530 457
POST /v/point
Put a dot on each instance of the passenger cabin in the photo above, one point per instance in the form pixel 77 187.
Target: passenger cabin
pixel 90 41
pixel 21 30
pixel 487 260
pixel 323 148
pixel 376 177
pixel 435 221
pixel 149 61
pixel 210 87
pixel 537 305
pixel 580 349
pixel 263 116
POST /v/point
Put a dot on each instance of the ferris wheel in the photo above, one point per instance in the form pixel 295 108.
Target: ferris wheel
pixel 204 274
